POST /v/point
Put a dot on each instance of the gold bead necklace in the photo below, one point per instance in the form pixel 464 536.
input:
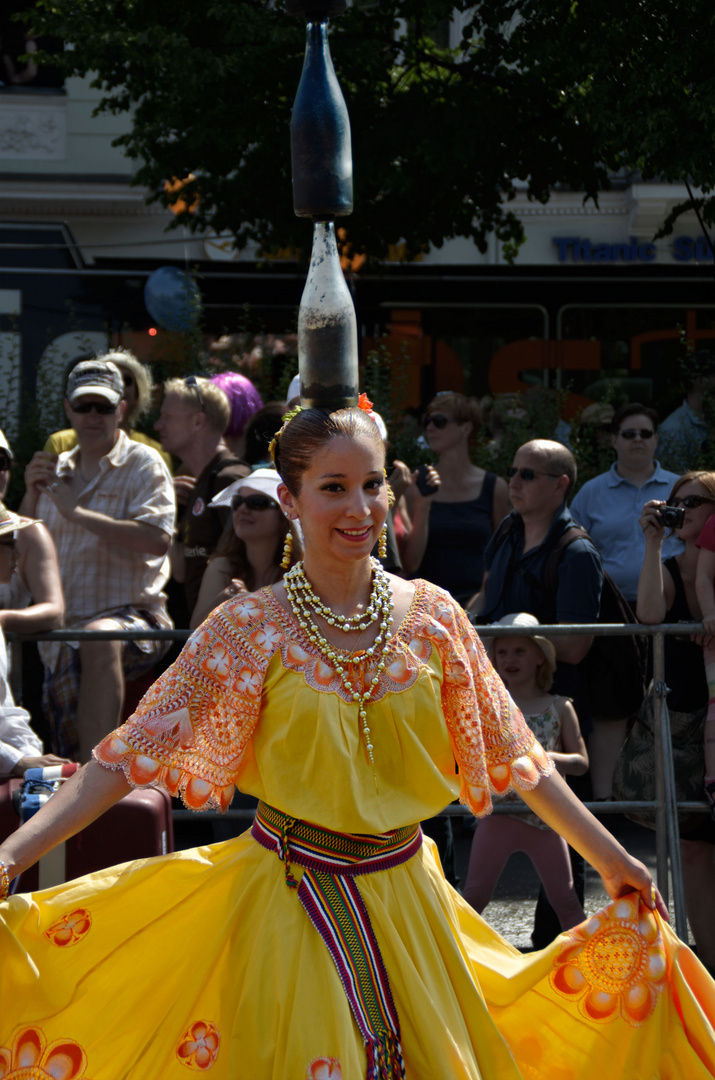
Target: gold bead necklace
pixel 305 605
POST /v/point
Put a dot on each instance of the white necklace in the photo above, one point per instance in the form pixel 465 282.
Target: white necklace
pixel 338 658
pixel 348 623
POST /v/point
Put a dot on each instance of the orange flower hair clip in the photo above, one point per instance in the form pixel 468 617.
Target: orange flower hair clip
pixel 364 403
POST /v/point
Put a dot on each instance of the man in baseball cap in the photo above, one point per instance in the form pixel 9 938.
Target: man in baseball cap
pixel 100 377
pixel 109 505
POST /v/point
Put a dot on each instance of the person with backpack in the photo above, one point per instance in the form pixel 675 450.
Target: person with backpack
pixel 540 480
pixel 529 567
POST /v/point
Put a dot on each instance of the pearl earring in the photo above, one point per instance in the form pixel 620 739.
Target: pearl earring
pixel 287 550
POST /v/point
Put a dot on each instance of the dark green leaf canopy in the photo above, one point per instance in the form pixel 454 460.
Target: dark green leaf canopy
pixel 542 92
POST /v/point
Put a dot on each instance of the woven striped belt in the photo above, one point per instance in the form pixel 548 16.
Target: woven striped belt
pixel 329 893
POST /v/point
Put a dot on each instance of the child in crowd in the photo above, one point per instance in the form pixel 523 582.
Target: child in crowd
pixel 705 590
pixel 527 665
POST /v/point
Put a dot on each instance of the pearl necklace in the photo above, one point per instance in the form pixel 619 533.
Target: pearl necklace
pixel 347 623
pixel 339 659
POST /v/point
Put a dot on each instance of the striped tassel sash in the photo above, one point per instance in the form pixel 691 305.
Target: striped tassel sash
pixel 329 893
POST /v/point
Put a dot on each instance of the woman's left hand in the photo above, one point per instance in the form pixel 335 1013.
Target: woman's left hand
pixel 633 876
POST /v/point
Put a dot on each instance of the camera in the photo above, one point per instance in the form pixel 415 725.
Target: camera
pixel 672 517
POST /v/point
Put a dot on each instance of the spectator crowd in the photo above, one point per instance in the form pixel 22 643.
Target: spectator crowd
pixel 119 531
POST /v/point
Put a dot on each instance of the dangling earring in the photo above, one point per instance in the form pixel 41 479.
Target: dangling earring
pixel 382 543
pixel 287 550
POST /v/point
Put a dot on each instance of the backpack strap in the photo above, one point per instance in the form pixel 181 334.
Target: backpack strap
pixel 544 587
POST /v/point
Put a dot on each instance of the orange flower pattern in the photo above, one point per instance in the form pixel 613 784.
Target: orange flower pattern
pixel 30 1058
pixel 69 928
pixel 324 1068
pixel 614 963
pixel 200 1046
pixel 192 727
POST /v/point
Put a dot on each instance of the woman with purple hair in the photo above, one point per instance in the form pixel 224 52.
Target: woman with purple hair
pixel 245 401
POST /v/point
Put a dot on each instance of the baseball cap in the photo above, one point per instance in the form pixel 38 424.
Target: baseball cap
pixel 261 481
pixel 99 377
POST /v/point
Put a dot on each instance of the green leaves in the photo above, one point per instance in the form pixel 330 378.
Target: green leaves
pixel 547 91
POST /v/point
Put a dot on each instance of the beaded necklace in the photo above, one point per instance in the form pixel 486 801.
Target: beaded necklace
pixel 305 605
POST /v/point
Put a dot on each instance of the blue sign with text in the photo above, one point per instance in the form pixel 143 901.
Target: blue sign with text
pixel 579 249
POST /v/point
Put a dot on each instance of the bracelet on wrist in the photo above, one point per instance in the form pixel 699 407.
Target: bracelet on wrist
pixel 4 882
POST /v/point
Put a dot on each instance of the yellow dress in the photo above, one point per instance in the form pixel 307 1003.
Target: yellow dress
pixel 203 961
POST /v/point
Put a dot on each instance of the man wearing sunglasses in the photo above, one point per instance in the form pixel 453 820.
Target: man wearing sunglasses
pixel 109 506
pixel 516 565
pixel 540 479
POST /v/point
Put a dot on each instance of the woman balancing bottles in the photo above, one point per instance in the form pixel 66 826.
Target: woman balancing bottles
pixel 320 128
pixel 327 329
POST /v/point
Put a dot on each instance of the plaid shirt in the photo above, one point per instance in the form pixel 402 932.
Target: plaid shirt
pixel 133 484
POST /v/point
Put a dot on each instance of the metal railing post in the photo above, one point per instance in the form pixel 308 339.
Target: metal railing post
pixel 661 824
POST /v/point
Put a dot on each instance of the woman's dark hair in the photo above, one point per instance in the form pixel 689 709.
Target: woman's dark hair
pixel 259 431
pixel 231 547
pixel 309 431
pixel 633 409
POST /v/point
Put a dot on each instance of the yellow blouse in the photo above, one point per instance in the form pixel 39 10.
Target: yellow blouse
pixel 250 702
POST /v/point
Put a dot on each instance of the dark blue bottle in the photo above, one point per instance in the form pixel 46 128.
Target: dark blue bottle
pixel 320 135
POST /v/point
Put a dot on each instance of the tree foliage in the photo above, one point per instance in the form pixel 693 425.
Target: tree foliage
pixel 537 93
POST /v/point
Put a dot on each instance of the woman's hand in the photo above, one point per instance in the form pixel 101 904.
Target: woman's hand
pixel 432 479
pixel 234 588
pixel 632 876
pixel 650 522
pixel 399 479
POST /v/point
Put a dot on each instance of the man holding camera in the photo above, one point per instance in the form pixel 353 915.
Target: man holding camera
pixel 609 506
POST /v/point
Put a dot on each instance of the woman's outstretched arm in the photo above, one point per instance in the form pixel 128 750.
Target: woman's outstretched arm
pixel 556 804
pixel 80 801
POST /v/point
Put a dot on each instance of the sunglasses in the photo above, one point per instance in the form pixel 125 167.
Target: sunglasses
pixel 690 502
pixel 5 463
pixel 87 406
pixel 631 432
pixel 128 379
pixel 254 502
pixel 528 474
pixel 192 383
pixel 438 419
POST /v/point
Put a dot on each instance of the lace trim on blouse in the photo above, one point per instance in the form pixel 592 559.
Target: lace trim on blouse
pixel 191 729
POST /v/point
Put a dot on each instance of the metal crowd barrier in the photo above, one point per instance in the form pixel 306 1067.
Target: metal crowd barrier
pixel 665 804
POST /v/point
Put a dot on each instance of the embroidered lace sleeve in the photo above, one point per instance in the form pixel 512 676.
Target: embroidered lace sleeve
pixel 191 728
pixel 493 746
